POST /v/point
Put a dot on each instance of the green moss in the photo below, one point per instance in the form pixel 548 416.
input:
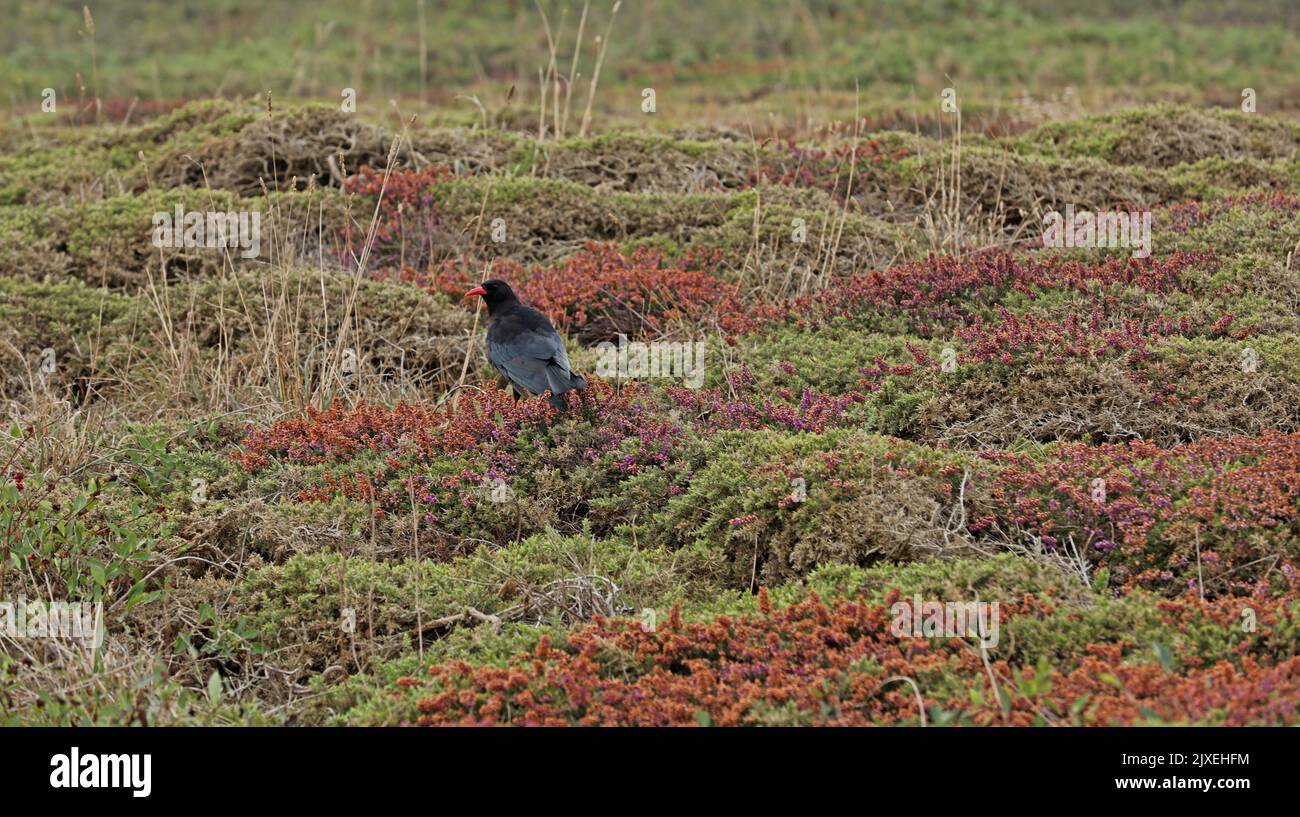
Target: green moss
pixel 60 313
pixel 56 163
pixel 547 218
pixel 299 606
pixel 824 359
pixel 777 505
pixel 127 221
pixel 68 317
pixel 1275 360
pixel 1022 187
pixel 644 142
pixel 800 233
pixel 1242 235
pixel 1165 135
pixel 1217 177
pixel 638 161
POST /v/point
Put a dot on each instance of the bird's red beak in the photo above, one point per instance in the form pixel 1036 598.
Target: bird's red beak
pixel 476 291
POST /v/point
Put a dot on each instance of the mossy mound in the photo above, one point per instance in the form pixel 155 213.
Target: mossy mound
pixel 1163 136
pixel 272 325
pixel 792 237
pixel 70 319
pixel 266 325
pixel 468 152
pixel 1216 177
pixel 775 506
pixel 1014 189
pixel 1110 401
pixel 62 164
pixel 110 242
pixel 635 162
pixel 281 151
pixel 535 219
pixel 323 609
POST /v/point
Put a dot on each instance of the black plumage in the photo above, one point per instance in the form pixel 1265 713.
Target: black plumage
pixel 524 347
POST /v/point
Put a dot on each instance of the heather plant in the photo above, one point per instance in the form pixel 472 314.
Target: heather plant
pixel 600 293
pixel 408 231
pixel 1203 518
pixel 839 665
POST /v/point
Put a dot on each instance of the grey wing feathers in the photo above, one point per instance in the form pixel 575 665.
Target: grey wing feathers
pixel 534 361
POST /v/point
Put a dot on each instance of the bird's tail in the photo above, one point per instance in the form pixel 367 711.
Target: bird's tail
pixel 561 381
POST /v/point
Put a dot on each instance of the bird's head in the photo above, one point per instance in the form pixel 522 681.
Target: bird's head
pixel 494 293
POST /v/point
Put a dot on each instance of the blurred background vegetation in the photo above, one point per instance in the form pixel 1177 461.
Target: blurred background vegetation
pixel 764 64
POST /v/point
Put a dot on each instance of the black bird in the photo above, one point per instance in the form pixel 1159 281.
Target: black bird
pixel 524 347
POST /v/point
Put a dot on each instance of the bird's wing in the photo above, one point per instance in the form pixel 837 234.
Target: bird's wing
pixel 537 344
pixel 525 357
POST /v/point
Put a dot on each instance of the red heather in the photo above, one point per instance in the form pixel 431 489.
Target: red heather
pixel 407 217
pixel 728 671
